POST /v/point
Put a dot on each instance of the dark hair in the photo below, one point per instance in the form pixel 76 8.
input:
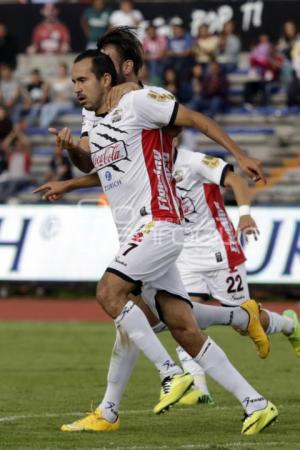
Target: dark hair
pixel 101 64
pixel 127 44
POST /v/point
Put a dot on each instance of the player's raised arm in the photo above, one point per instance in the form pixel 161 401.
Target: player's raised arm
pixel 78 153
pixel 54 190
pixel 246 225
pixel 188 118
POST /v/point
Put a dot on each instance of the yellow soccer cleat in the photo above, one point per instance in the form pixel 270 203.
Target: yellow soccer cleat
pixel 294 338
pixel 173 388
pixel 259 420
pixel 255 329
pixel 195 397
pixel 92 422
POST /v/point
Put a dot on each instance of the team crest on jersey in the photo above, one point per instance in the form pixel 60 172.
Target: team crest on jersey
pixel 160 97
pixel 116 116
pixel 211 161
pixel 178 175
pixel 109 156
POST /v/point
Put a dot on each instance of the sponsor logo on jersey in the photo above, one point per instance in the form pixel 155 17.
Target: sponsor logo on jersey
pixel 222 217
pixel 110 155
pixel 162 197
pixel 218 256
pixel 160 97
pixel 188 206
pixel 211 161
pixel 112 185
pixel 108 175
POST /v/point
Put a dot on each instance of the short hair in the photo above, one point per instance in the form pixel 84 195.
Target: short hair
pixel 101 64
pixel 127 44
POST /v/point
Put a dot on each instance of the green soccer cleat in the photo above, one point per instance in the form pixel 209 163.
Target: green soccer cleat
pixel 195 397
pixel 294 338
pixel 172 389
pixel 259 420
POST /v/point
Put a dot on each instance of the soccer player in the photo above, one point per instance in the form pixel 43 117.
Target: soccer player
pixel 212 261
pixel 129 153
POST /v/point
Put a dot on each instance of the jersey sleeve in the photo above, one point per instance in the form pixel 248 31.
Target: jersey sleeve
pixel 154 108
pixel 210 167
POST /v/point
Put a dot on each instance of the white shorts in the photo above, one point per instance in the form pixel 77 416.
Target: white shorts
pixel 228 286
pixel 148 258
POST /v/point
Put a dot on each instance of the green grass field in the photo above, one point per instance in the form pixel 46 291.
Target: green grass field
pixel 50 373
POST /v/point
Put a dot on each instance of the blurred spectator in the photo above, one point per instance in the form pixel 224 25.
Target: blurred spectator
pixel 288 38
pixel 60 167
pixel 38 92
pixel 264 77
pixel 206 46
pixel 6 124
pixel 95 22
pixel 229 48
pixel 50 35
pixel 60 97
pixel 179 47
pixel 259 56
pixel 8 47
pixel 214 90
pixel 6 127
pixel 17 175
pixel 12 95
pixel 170 81
pixel 126 15
pixel 191 88
pixel 293 91
pixel 155 51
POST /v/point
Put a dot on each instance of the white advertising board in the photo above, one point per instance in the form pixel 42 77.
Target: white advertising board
pixel 76 243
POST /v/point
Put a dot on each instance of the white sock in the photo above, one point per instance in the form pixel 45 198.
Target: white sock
pixel 279 323
pixel 216 364
pixel 189 365
pixel 207 315
pixel 137 327
pixel 122 361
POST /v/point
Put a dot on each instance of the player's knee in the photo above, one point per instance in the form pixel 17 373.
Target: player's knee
pixel 108 299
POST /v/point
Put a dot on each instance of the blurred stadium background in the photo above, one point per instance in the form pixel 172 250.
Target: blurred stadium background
pixel 237 61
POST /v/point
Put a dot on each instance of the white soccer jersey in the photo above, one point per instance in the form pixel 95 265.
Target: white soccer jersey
pixel 90 118
pixel 133 160
pixel 210 241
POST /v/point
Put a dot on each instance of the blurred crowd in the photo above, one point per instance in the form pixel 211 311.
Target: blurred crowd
pixel 195 66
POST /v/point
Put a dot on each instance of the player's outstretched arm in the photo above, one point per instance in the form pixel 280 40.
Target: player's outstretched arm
pixel 54 190
pixel 78 153
pixel 188 118
pixel 246 225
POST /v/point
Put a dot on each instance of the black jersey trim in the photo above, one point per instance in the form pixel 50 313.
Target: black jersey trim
pixel 224 173
pixel 174 114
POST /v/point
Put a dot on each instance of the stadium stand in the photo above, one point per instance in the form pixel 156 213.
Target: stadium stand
pixel 268 132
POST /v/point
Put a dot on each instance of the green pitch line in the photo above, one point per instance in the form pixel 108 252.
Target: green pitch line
pixel 50 372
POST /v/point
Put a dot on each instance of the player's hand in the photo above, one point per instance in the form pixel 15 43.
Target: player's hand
pixel 117 92
pixel 52 191
pixel 247 227
pixel 64 138
pixel 252 167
